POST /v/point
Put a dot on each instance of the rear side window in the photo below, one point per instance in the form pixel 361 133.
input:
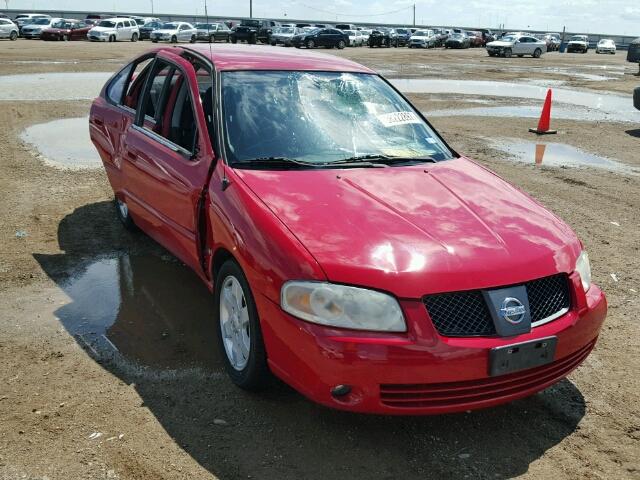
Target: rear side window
pixel 116 87
pixel 136 83
pixel 162 73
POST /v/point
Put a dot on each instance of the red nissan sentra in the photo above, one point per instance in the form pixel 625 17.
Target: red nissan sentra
pixel 350 251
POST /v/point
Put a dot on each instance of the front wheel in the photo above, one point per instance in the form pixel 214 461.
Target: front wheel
pixel 310 44
pixel 112 38
pixel 507 53
pixel 234 40
pixel 122 210
pixel 537 53
pixel 13 36
pixel 174 39
pixel 341 44
pixel 193 39
pixel 134 37
pixel 238 329
pixel 65 38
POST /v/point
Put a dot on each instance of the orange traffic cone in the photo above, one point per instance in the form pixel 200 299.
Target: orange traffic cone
pixel 540 149
pixel 545 118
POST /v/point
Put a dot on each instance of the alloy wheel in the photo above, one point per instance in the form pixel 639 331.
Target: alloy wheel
pixel 234 323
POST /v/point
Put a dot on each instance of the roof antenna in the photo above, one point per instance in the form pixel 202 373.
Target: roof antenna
pixel 206 15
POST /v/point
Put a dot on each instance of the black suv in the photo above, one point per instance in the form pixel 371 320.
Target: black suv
pixel 321 37
pixel 403 35
pixel 383 37
pixel 252 31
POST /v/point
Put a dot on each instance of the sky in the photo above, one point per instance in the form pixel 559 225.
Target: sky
pixel 621 17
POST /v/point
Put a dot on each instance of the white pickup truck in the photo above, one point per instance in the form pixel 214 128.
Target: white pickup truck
pixel 578 43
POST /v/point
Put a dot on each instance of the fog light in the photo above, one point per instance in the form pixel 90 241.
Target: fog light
pixel 340 390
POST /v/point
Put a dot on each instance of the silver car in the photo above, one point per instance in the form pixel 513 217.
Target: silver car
pixel 175 32
pixel 284 35
pixel 34 29
pixel 519 45
pixel 423 39
pixel 212 32
pixel 8 29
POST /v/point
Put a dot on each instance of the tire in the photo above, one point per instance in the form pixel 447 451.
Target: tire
pixel 310 44
pixel 252 40
pixel 193 39
pixel 13 36
pixel 212 39
pixel 124 216
pixel 273 44
pixel 174 39
pixel 112 38
pixel 341 44
pixel 238 329
pixel 537 53
pixel 65 38
pixel 134 37
pixel 154 41
pixel 520 56
pixel 507 53
pixel 234 40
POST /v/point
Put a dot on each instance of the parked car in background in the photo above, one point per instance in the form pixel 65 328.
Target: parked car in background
pixel 578 43
pixel 519 45
pixel 321 37
pixel 253 31
pixel 606 45
pixel 365 35
pixel 23 19
pixel 403 35
pixel 423 39
pixel 94 18
pixel 457 40
pixel 355 38
pixel 8 29
pixel 213 32
pixel 284 35
pixel 146 29
pixel 143 20
pixel 65 30
pixel 175 32
pixel 34 29
pixel 636 98
pixel 487 36
pixel 475 39
pixel 553 41
pixel 379 272
pixel 345 26
pixel 442 34
pixel 115 30
pixel 382 37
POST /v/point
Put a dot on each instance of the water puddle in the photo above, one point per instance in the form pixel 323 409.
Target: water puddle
pixel 64 143
pixel 527 111
pixel 617 108
pixel 148 309
pixel 52 86
pixel 559 155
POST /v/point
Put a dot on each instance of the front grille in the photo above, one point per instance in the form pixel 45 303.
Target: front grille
pixel 466 314
pixel 472 393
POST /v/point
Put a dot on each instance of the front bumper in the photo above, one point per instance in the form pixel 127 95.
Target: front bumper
pixel 420 372
pixel 31 35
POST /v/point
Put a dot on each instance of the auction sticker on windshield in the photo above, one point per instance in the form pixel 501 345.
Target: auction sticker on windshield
pixel 398 118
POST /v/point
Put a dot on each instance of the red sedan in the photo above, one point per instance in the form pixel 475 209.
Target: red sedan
pixel 66 30
pixel 350 251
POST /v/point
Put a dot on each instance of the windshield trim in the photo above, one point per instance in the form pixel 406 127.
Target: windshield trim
pixel 221 130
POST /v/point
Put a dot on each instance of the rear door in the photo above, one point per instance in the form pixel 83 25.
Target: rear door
pixel 167 157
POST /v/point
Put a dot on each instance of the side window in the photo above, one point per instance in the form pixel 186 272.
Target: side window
pixel 136 83
pixel 119 25
pixel 182 128
pixel 116 87
pixel 155 91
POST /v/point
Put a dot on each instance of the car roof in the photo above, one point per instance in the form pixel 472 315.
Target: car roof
pixel 247 57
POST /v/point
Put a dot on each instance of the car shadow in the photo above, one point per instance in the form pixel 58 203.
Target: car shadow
pixel 633 132
pixel 148 320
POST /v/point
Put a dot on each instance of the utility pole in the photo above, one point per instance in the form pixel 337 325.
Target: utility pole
pixel 151 7
pixel 414 14
pixel 250 8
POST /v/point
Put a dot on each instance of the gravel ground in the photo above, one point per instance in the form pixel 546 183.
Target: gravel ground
pixel 160 407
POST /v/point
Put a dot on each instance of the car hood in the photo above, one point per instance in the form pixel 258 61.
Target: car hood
pixel 581 42
pixel 419 229
pixel 164 31
pixel 102 29
pixel 499 43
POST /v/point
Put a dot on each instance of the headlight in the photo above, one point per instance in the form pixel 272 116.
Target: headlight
pixel 342 306
pixel 583 267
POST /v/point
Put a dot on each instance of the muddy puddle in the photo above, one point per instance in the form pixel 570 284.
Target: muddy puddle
pixel 527 111
pixel 63 143
pixel 615 107
pixel 559 155
pixel 148 309
pixel 52 86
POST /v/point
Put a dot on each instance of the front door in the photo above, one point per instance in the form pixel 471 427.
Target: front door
pixel 167 158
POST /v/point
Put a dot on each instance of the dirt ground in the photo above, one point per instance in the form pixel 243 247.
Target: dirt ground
pixel 161 408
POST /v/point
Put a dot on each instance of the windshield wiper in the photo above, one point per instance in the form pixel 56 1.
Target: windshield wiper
pixel 285 162
pixel 387 159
